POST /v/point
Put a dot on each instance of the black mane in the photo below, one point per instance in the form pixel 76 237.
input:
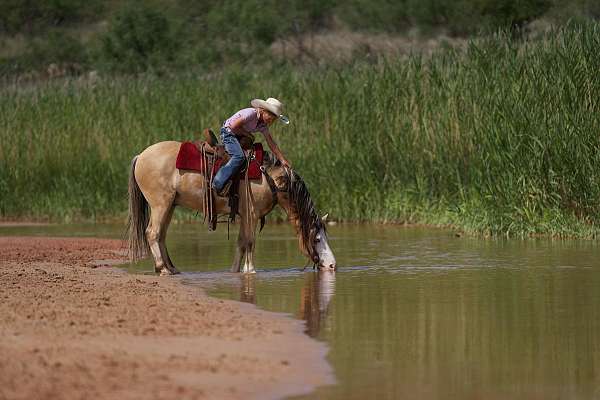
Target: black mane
pixel 309 222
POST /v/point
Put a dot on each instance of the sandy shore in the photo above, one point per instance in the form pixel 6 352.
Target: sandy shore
pixel 71 327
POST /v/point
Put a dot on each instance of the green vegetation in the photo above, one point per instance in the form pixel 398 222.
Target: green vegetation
pixel 161 36
pixel 500 138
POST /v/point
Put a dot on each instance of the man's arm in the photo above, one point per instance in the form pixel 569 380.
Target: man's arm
pixel 275 149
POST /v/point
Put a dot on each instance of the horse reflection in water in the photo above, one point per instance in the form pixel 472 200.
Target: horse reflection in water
pixel 315 296
pixel 248 289
pixel 318 290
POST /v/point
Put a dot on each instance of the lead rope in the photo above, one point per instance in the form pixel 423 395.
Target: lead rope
pixel 249 199
pixel 206 205
pixel 208 208
pixel 208 198
pixel 210 190
pixel 249 196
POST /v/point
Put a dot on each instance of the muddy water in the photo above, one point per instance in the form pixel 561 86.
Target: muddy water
pixel 418 313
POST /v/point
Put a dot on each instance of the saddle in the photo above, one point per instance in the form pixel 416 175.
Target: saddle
pixel 211 144
pixel 194 155
pixel 207 156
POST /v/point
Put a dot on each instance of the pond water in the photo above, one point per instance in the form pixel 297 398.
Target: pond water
pixel 416 313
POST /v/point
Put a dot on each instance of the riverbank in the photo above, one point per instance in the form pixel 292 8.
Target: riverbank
pixel 448 140
pixel 73 327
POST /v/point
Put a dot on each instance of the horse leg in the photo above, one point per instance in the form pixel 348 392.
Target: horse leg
pixel 249 240
pixel 155 232
pixel 240 254
pixel 245 244
pixel 163 241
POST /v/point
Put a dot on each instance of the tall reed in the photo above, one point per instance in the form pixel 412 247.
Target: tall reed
pixel 501 138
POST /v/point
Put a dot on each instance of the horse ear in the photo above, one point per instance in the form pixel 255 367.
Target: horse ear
pixel 324 217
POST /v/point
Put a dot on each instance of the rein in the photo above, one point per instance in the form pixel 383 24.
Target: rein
pixel 272 185
pixel 208 195
pixel 274 191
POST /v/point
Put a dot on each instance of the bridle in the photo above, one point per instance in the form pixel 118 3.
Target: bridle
pixel 315 256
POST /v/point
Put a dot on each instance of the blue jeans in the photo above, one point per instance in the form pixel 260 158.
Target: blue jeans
pixel 233 148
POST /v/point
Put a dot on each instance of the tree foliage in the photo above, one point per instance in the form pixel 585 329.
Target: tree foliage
pixel 140 35
pixel 33 16
pixel 139 38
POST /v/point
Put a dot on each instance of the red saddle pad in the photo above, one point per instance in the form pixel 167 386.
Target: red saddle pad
pixel 189 157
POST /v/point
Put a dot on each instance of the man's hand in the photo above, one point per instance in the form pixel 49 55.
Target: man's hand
pixel 275 149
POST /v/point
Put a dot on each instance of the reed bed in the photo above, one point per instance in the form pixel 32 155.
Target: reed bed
pixel 500 138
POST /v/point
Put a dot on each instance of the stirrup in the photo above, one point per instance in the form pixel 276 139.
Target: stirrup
pixel 212 225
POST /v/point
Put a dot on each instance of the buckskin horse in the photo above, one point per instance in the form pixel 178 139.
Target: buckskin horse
pixel 157 186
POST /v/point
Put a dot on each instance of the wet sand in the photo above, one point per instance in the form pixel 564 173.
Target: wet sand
pixel 72 327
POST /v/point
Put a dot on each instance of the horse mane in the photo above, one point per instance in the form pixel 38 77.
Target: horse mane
pixel 303 206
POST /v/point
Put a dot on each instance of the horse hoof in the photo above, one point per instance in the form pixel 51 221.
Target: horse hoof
pixel 249 272
pixel 166 272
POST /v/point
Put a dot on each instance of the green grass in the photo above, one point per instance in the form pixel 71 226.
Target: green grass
pixel 502 138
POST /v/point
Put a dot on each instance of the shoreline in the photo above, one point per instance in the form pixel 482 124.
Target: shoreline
pixel 72 325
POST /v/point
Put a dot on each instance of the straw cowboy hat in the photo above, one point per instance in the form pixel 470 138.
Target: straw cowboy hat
pixel 272 105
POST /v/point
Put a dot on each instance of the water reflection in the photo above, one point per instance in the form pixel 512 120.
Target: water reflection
pixel 248 288
pixel 315 297
pixel 419 313
pixel 316 293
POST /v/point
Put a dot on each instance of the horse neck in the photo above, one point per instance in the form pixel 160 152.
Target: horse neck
pixel 294 219
pixel 299 218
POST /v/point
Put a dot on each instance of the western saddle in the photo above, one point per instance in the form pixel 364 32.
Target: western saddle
pixel 211 149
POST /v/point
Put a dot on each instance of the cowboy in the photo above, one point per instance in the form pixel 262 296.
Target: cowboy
pixel 257 118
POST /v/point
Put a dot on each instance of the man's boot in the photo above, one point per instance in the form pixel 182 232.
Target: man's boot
pixel 224 192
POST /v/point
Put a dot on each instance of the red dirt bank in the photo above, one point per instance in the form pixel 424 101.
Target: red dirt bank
pixel 69 330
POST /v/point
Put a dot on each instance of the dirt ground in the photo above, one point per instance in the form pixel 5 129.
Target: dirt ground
pixel 72 327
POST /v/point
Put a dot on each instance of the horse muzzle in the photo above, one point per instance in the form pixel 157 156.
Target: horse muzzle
pixel 327 267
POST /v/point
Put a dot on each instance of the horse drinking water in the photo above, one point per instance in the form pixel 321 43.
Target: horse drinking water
pixel 156 187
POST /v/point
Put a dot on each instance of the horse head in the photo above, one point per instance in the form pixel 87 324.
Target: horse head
pixel 324 257
pixel 294 197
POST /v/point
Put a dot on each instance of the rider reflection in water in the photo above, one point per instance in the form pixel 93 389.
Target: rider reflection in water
pixel 241 125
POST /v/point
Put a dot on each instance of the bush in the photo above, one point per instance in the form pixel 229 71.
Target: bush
pixel 139 38
pixel 31 16
pixel 69 56
pixel 460 17
pixel 57 47
pixel 375 15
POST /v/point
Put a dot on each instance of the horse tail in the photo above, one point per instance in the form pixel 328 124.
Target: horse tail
pixel 137 219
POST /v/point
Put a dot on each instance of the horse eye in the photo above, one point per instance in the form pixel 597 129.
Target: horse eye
pixel 317 239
